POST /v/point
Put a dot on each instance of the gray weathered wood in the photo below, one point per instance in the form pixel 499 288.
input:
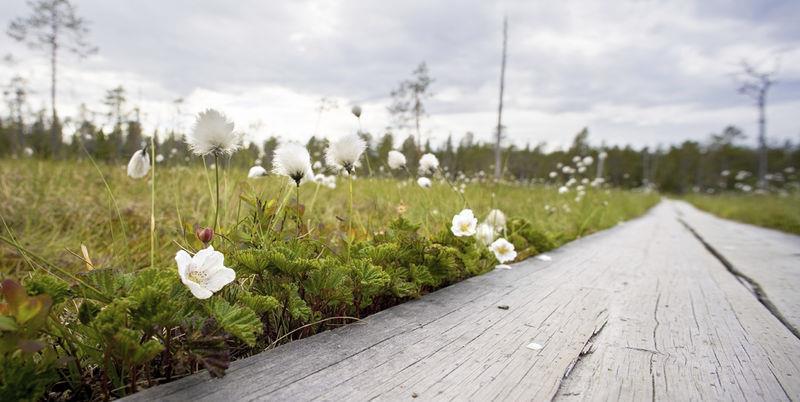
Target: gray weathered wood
pixel 640 311
pixel 768 259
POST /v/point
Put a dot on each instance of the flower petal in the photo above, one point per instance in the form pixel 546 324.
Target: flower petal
pixel 214 260
pixel 219 279
pixel 198 291
pixel 183 259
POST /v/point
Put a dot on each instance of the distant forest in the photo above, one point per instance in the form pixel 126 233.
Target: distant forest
pixel 718 164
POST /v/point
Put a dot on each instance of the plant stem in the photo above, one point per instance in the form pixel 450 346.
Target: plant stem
pixel 350 213
pixel 297 204
pixel 216 178
pixel 153 205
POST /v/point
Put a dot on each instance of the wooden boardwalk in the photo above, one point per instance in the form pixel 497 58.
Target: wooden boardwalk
pixel 676 305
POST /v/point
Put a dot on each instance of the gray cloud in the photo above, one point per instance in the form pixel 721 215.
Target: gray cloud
pixel 643 72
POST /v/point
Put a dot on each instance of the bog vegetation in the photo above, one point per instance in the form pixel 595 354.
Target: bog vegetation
pixel 123 277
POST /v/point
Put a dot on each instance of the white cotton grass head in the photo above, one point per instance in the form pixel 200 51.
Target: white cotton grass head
pixel 396 160
pixel 587 160
pixel 205 272
pixel 159 158
pixel 345 153
pixel 497 219
pixel 28 151
pixel 563 190
pixel 503 250
pixel 424 182
pixel 213 134
pixel 485 234
pixel 464 223
pixel 292 160
pixel 256 172
pixel 428 164
pixel 139 165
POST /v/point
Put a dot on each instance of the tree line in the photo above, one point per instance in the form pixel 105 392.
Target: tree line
pixel 720 162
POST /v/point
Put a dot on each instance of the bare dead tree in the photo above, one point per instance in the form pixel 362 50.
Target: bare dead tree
pixel 756 85
pixel 499 134
pixel 51 26
pixel 407 101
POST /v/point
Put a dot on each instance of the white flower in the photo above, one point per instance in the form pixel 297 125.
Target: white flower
pixel 204 273
pixel 139 164
pixel 464 223
pixel 356 110
pixel 159 158
pixel 345 153
pixel 562 189
pixel 396 160
pixel 329 181
pixel 256 172
pixel 292 160
pixel 213 133
pixel 424 182
pixel 588 160
pixel 428 164
pixel 497 219
pixel 503 250
pixel 484 233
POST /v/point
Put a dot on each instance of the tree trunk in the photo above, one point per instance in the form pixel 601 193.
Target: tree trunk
pixel 762 140
pixel 54 129
pixel 499 135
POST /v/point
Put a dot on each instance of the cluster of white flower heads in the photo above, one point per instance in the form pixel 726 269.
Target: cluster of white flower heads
pixel 256 172
pixel 396 160
pixel 139 165
pixel 428 164
pixel 293 160
pixel 213 134
pixel 344 154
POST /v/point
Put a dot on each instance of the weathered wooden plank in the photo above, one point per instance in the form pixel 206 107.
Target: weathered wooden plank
pixel 687 330
pixel 768 259
pixel 640 311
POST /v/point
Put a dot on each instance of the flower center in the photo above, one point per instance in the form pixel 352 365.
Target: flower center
pixel 199 277
pixel 502 249
pixel 464 226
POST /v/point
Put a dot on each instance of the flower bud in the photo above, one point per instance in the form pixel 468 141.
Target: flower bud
pixel 204 234
pixel 356 110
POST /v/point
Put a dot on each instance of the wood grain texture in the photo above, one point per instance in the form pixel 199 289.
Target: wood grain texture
pixel 769 259
pixel 640 311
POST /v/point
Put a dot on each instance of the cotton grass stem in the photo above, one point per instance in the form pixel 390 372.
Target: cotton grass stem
pixel 153 205
pixel 216 180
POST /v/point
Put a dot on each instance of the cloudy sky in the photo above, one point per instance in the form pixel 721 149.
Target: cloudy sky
pixel 640 72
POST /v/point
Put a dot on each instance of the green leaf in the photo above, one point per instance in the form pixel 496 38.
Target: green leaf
pixel 8 324
pixel 239 321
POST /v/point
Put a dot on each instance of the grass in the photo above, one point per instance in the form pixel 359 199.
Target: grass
pixel 53 208
pixel 781 212
pixel 94 308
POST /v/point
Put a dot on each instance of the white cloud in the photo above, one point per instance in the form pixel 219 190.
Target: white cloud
pixel 639 72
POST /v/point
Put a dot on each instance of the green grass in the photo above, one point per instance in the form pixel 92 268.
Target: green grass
pixel 103 323
pixel 781 212
pixel 53 208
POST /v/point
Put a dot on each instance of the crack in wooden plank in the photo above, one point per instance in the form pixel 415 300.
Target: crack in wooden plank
pixel 753 286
